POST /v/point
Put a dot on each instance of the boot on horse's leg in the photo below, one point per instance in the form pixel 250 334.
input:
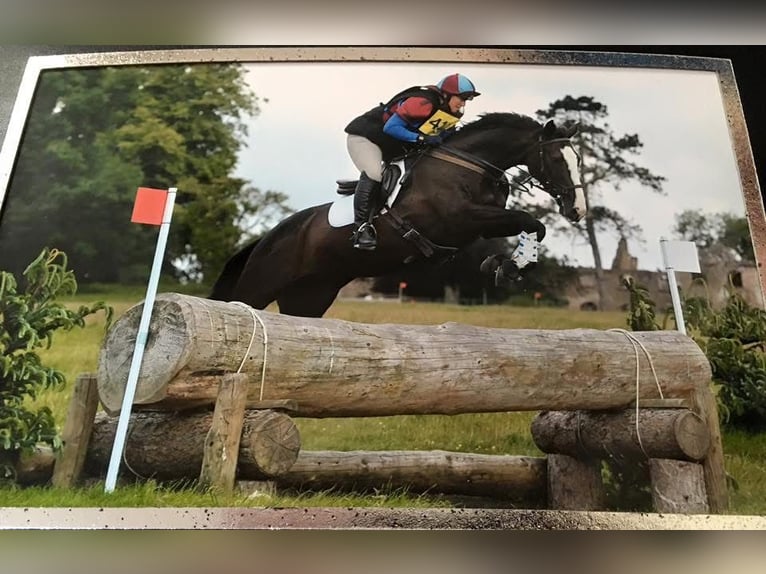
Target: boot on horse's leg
pixel 365 236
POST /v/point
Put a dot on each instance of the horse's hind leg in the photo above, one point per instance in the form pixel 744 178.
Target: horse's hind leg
pixel 308 297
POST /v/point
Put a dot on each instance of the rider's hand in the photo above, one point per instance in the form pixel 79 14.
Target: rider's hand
pixel 430 140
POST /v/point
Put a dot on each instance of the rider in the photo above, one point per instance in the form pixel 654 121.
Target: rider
pixel 416 116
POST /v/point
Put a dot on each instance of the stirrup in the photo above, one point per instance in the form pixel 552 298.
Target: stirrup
pixel 369 243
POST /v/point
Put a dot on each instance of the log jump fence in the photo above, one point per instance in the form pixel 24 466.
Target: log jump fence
pixel 221 383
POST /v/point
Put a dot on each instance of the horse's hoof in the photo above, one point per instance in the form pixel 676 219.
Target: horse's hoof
pixel 490 265
pixel 507 272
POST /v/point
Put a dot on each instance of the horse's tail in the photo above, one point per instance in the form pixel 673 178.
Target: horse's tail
pixel 227 280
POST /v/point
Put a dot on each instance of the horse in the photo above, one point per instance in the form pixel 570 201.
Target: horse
pixel 454 194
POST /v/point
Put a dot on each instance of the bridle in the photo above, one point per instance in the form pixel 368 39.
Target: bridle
pixel 549 185
pixel 474 163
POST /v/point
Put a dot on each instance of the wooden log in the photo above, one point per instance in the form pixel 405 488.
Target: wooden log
pixel 36 467
pixel 519 478
pixel 574 484
pixel 678 487
pixel 664 433
pixel 169 446
pixel 341 368
pixel 77 429
pixel 219 460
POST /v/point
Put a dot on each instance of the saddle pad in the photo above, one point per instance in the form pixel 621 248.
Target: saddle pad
pixel 341 212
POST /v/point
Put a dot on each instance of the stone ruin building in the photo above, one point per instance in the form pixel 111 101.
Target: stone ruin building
pixel 721 272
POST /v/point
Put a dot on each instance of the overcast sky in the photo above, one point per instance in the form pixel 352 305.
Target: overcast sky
pixel 297 144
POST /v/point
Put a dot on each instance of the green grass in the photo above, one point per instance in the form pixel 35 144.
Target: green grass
pixel 184 495
pixel 489 433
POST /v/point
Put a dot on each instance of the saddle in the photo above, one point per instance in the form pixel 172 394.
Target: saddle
pixel 392 174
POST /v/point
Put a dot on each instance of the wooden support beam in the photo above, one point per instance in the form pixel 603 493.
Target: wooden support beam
pixel 519 478
pixel 660 433
pixel 221 451
pixel 574 484
pixel 678 487
pixel 713 465
pixel 77 430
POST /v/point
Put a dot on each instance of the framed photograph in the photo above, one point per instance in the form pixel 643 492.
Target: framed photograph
pixel 656 148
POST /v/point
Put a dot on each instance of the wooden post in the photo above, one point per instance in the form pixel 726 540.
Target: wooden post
pixel 574 484
pixel 77 431
pixel 219 461
pixel 713 464
pixel 678 487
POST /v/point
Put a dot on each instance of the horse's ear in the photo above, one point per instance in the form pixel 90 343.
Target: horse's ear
pixel 549 129
pixel 572 130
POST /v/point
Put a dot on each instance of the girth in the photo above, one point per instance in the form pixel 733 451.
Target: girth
pixel 427 247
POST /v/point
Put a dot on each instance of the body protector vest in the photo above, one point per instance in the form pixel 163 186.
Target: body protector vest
pixel 370 124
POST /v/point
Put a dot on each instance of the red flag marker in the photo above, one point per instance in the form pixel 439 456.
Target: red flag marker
pixel 149 206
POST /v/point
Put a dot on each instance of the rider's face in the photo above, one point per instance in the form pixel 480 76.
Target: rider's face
pixel 457 104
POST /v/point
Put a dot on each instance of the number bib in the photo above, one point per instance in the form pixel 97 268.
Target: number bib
pixel 438 122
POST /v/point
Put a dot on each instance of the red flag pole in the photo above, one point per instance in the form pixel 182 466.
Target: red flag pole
pixel 138 353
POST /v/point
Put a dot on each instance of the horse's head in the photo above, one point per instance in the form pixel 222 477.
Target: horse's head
pixel 556 166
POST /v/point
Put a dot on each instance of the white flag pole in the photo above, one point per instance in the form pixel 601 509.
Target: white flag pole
pixel 138 353
pixel 677 310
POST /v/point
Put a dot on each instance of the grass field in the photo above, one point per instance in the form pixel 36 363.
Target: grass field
pixel 494 433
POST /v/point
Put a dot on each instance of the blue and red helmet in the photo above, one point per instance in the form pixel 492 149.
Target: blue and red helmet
pixel 458 85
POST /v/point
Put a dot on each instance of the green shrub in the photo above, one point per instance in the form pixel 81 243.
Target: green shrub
pixel 28 320
pixel 734 340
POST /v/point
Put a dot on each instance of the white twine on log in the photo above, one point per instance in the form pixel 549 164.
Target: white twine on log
pixel 636 343
pixel 332 350
pixel 256 320
pixel 125 457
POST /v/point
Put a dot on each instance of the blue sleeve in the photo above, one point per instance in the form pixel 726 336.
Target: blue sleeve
pixel 397 128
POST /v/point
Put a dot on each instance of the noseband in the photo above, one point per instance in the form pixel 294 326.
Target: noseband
pixel 554 189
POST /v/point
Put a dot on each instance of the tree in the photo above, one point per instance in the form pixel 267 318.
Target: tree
pixel 30 317
pixel 707 229
pixel 95 135
pixel 608 163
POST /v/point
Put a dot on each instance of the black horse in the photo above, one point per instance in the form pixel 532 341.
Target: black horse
pixel 456 193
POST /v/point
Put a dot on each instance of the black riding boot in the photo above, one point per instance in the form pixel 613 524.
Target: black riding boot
pixel 365 236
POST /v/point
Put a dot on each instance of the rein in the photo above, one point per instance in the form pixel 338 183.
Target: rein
pixel 470 161
pixel 466 160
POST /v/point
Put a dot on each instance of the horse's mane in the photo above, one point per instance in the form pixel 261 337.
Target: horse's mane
pixel 493 120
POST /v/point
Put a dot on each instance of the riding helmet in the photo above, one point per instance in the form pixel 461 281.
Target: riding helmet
pixel 458 85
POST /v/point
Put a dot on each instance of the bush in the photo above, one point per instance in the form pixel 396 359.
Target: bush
pixel 734 341
pixel 28 320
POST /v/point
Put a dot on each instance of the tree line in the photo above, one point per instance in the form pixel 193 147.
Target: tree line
pixel 95 135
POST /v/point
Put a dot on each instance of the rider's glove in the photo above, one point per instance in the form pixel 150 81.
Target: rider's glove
pixel 430 140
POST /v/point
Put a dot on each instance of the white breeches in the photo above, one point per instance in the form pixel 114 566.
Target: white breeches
pixel 366 156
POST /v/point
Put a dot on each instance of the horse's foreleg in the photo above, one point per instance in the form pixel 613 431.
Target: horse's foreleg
pixel 498 222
